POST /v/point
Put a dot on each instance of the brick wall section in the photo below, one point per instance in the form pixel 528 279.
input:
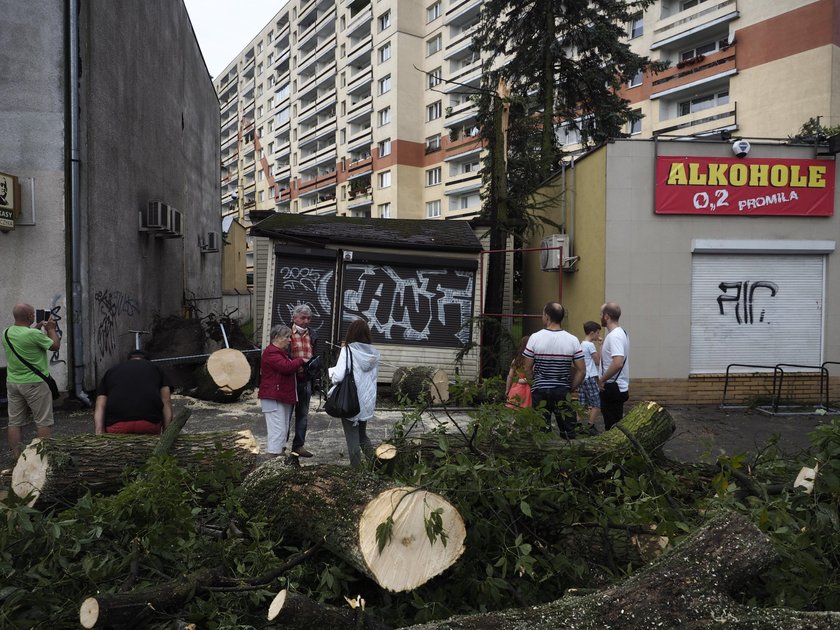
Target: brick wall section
pixel 744 389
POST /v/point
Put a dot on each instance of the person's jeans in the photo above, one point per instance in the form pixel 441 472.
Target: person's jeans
pixel 304 392
pixel 358 443
pixel 612 404
pixel 556 405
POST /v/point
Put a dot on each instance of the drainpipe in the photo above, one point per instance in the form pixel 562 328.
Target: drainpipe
pixel 75 203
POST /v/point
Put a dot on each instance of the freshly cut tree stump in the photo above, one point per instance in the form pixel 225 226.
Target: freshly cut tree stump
pixel 60 469
pixel 420 384
pixel 343 509
pixel 688 587
pixel 224 377
pixel 291 610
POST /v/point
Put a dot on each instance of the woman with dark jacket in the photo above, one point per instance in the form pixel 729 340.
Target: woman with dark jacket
pixel 278 388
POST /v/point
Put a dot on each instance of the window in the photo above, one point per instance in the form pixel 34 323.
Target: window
pixel 270 148
pixel 433 111
pixel 384 179
pixel 384 116
pixel 702 102
pixel 433 12
pixel 385 84
pixel 385 52
pixel 704 49
pixel 635 124
pixel 636 28
pixel 260 112
pixel 384 21
pixel 636 80
pixel 384 210
pixel 259 68
pixel 468 201
pixel 433 176
pixel 432 209
pixel 385 147
pixel 471 167
pixel 434 45
pixel 433 143
pixel 687 4
pixel 260 175
pixel 262 195
pixel 435 77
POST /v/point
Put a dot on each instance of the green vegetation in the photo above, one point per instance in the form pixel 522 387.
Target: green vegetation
pixel 539 521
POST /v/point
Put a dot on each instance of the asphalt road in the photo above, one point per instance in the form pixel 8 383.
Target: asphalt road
pixel 702 432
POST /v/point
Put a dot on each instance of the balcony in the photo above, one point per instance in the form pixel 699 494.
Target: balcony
pixel 360 22
pixel 462 12
pixel 361 140
pixel 704 121
pixel 683 24
pixel 691 71
pixel 361 80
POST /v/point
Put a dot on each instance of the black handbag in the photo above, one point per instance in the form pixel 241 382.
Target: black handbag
pixel 49 380
pixel 343 399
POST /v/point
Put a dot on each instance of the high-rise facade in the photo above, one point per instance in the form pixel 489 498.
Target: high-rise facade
pixel 754 68
pixel 363 108
pixel 341 107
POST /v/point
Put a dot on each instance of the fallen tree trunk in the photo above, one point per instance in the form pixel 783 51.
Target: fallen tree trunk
pixel 292 610
pixel 644 429
pixel 114 610
pixel 688 587
pixel 224 377
pixel 353 512
pixel 58 470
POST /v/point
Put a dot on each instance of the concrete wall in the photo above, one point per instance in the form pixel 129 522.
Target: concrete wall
pixel 32 128
pixel 150 132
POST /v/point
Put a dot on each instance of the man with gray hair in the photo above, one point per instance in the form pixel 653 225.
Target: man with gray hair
pixel 303 345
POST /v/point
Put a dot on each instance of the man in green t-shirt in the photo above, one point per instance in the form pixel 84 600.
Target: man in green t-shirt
pixel 25 390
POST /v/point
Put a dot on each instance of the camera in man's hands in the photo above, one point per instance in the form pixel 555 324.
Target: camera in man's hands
pixel 42 315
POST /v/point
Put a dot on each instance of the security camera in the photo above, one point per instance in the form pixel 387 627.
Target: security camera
pixel 740 148
pixel 234 195
pixel 348 256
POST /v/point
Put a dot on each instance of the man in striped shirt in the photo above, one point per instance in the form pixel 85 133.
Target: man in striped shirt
pixel 554 363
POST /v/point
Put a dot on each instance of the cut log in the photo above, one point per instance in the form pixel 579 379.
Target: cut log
pixel 688 587
pixel 292 610
pixel 224 377
pixel 645 428
pixel 345 508
pixel 58 470
pixel 115 610
pixel 421 384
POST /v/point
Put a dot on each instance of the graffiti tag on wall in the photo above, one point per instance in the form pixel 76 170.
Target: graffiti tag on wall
pixel 743 297
pixel 112 306
pixel 309 286
pixel 409 305
pixel 55 313
pixel 401 304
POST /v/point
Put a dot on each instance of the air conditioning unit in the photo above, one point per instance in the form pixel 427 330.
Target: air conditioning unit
pixel 155 217
pixel 554 252
pixel 211 244
pixel 175 228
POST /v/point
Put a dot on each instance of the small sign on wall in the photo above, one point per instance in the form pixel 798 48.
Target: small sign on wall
pixel 744 187
pixel 8 199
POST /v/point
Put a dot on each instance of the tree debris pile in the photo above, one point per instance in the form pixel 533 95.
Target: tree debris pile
pixel 509 527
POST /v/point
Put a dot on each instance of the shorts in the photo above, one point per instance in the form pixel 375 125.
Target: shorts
pixel 144 427
pixel 588 393
pixel 30 397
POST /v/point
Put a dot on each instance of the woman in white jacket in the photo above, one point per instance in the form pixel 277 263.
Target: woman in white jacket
pixel 365 360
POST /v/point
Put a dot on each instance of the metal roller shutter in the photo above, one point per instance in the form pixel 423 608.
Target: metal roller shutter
pixel 408 305
pixel 305 280
pixel 756 309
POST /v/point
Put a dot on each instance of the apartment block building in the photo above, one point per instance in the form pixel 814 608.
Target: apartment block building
pixel 753 68
pixel 362 107
pixel 343 107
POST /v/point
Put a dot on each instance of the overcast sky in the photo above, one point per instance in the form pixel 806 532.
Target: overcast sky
pixel 224 27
